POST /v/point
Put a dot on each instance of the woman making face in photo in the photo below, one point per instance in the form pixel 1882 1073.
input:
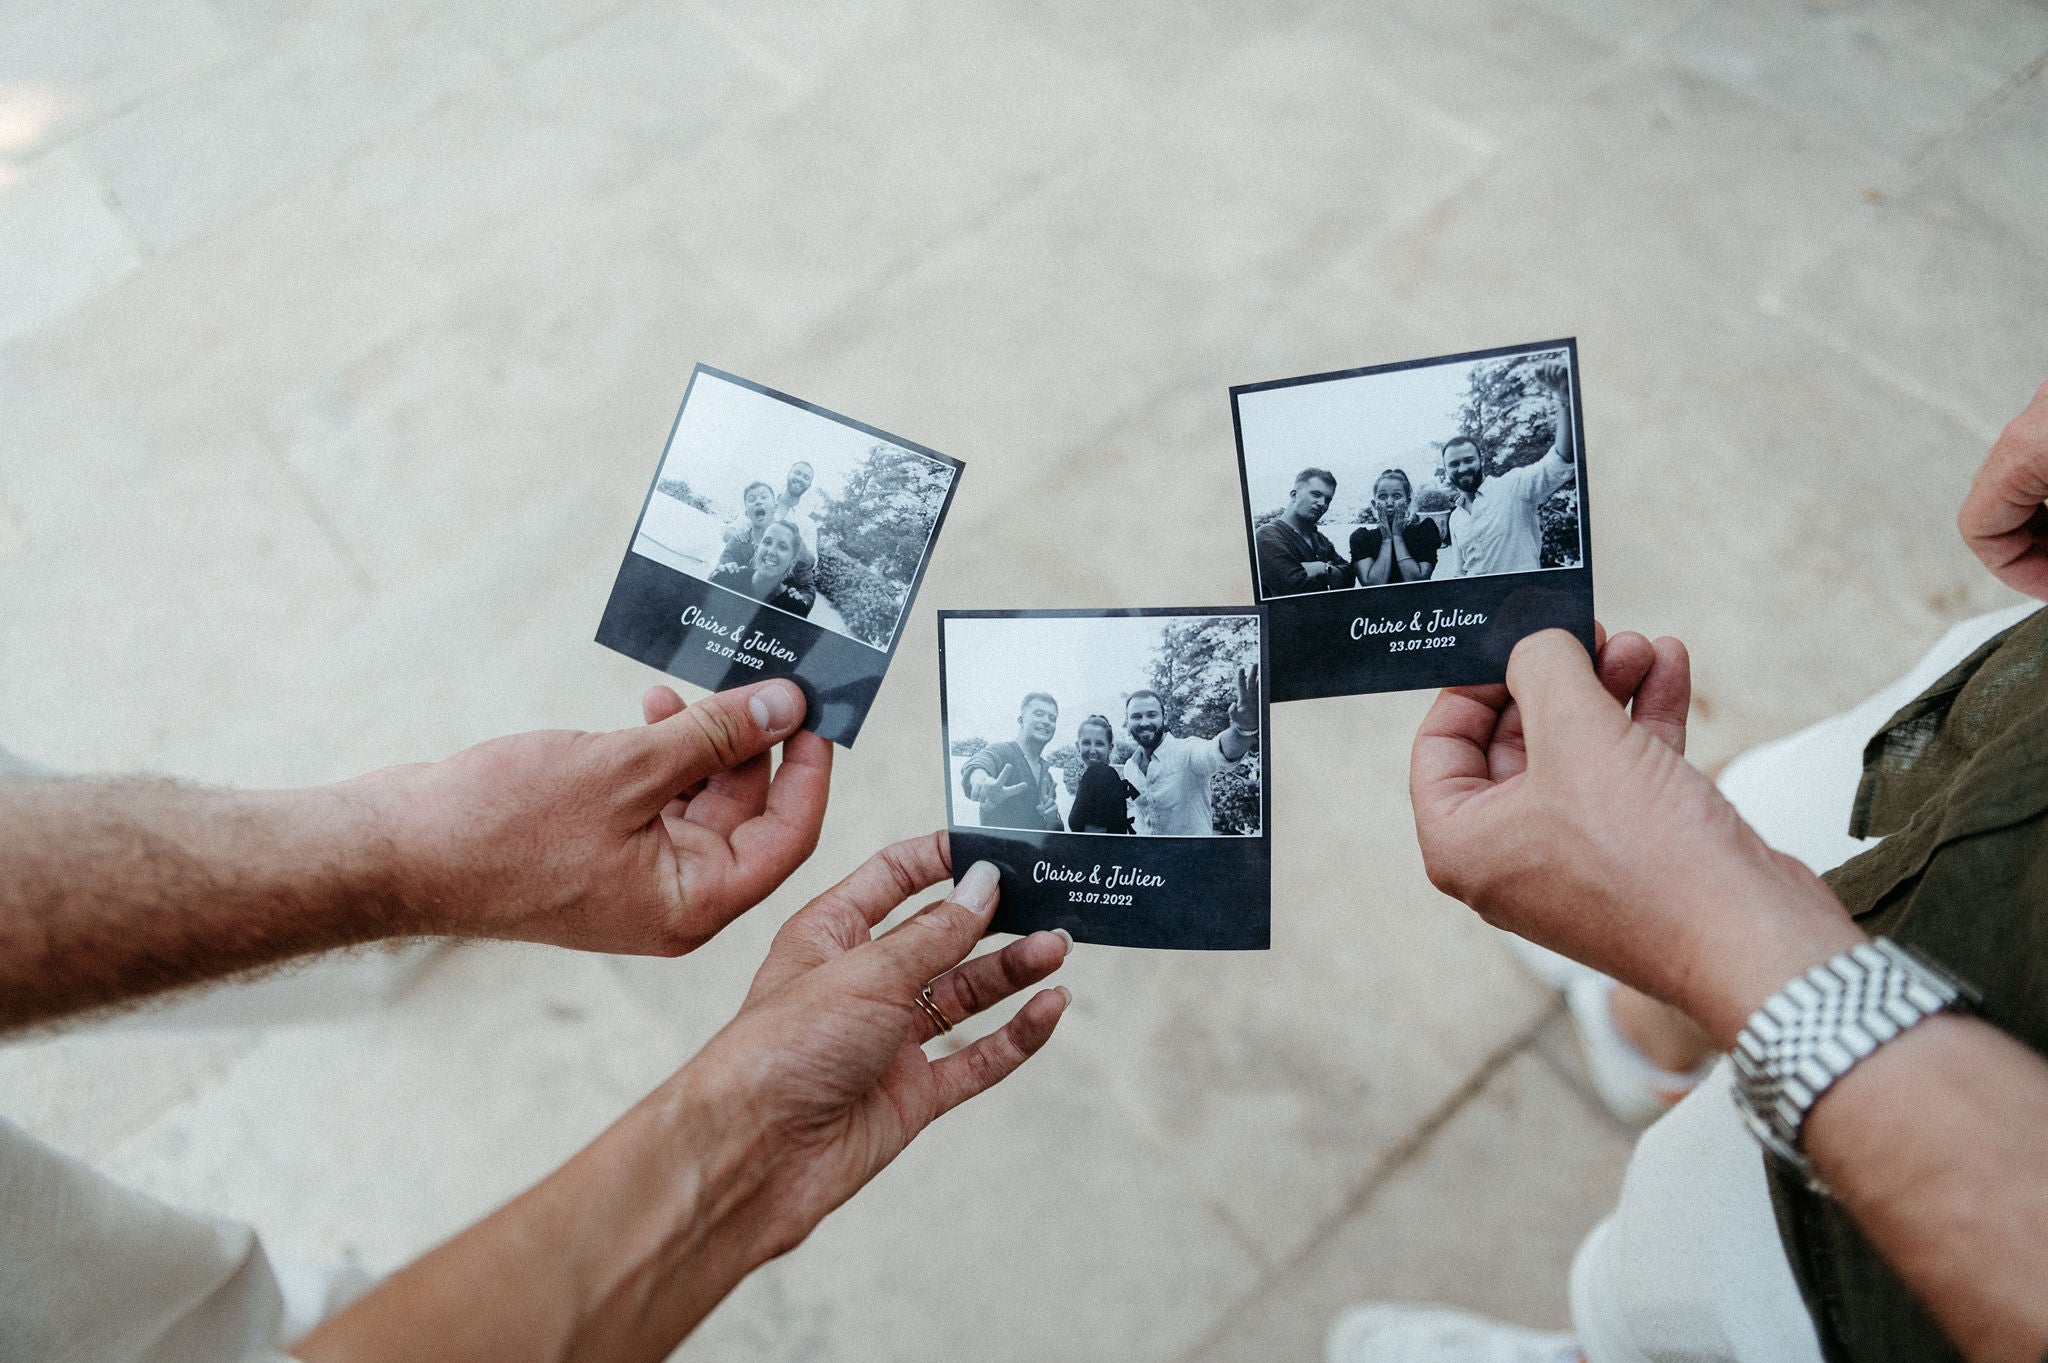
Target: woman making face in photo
pixel 1402 547
pixel 1101 804
pixel 766 578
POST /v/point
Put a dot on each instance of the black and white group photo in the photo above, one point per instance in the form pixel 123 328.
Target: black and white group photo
pixel 1427 472
pixel 792 507
pixel 1116 725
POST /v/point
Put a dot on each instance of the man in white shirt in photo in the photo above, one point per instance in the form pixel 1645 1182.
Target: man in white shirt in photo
pixel 1172 773
pixel 1495 527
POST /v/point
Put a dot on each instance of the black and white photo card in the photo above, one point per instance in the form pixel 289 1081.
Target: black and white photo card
pixel 1112 765
pixel 1408 523
pixel 778 540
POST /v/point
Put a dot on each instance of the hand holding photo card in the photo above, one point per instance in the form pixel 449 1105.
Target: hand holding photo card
pixel 1112 765
pixel 778 540
pixel 1409 523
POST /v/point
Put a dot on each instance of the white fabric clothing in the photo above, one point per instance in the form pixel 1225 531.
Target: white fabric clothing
pixel 1173 791
pixel 93 1272
pixel 1689 1266
pixel 1499 532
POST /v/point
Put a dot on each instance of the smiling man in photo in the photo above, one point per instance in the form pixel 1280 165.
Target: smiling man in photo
pixel 1172 773
pixel 1010 780
pixel 1495 527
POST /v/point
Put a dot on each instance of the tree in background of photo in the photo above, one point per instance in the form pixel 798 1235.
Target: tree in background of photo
pixel 872 536
pixel 1194 670
pixel 968 747
pixel 680 490
pixel 1511 414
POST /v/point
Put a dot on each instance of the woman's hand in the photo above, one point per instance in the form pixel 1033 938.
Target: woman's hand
pixel 825 1062
pixel 805 1096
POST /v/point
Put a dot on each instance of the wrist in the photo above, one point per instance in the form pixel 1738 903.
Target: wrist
pixel 1788 925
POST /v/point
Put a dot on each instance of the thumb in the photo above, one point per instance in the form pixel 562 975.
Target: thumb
pixel 1563 705
pixel 652 763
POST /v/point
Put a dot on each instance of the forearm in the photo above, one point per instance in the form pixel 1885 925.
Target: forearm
pixel 616 1256
pixel 1933 1145
pixel 116 890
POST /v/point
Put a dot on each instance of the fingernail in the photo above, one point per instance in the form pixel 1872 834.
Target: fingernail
pixel 1064 993
pixel 777 706
pixel 976 889
pixel 1066 937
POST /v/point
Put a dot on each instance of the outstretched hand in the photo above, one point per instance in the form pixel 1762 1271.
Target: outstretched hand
pixel 1560 807
pixel 1245 713
pixel 644 841
pixel 825 1058
pixel 2003 519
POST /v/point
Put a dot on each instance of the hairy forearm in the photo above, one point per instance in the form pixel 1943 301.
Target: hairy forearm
pixel 111 891
pixel 616 1256
pixel 1934 1145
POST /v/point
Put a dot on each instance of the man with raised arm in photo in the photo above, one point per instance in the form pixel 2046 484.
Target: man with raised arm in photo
pixel 1010 780
pixel 1294 556
pixel 1172 773
pixel 1494 528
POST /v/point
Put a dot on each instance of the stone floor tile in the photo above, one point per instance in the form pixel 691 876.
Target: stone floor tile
pixel 133 593
pixel 196 156
pixel 805 47
pixel 1085 1245
pixel 1598 223
pixel 381 1134
pixel 948 141
pixel 63 243
pixel 1989 168
pixel 660 73
pixel 1934 292
pixel 1491 67
pixel 1485 1216
pixel 65 67
pixel 1872 73
pixel 90 1089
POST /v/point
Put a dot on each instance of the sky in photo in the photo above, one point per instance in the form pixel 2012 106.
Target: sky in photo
pixel 1353 427
pixel 731 435
pixel 1090 664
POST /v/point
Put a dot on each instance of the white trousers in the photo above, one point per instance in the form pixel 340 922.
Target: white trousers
pixel 1689 1268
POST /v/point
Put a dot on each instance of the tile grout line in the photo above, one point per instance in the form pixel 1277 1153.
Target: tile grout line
pixel 1400 1157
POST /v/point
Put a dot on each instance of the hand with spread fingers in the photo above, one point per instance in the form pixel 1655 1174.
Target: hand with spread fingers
pixel 1561 807
pixel 826 1054
pixel 643 841
pixel 817 1084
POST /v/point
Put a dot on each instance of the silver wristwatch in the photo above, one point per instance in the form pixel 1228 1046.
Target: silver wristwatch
pixel 1815 1030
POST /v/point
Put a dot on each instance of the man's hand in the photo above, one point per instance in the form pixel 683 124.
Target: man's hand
pixel 1558 814
pixel 1003 787
pixel 1555 378
pixel 2003 520
pixel 643 841
pixel 1244 713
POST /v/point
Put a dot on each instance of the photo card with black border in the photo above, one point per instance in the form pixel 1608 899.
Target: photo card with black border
pixel 1112 765
pixel 1476 461
pixel 778 540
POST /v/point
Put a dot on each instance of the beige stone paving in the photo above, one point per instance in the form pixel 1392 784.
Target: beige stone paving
pixel 337 341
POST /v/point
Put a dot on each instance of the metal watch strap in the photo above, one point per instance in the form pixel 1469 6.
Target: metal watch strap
pixel 1817 1028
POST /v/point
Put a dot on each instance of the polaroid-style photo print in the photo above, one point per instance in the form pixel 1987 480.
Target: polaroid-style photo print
pixel 1408 523
pixel 1112 765
pixel 778 540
